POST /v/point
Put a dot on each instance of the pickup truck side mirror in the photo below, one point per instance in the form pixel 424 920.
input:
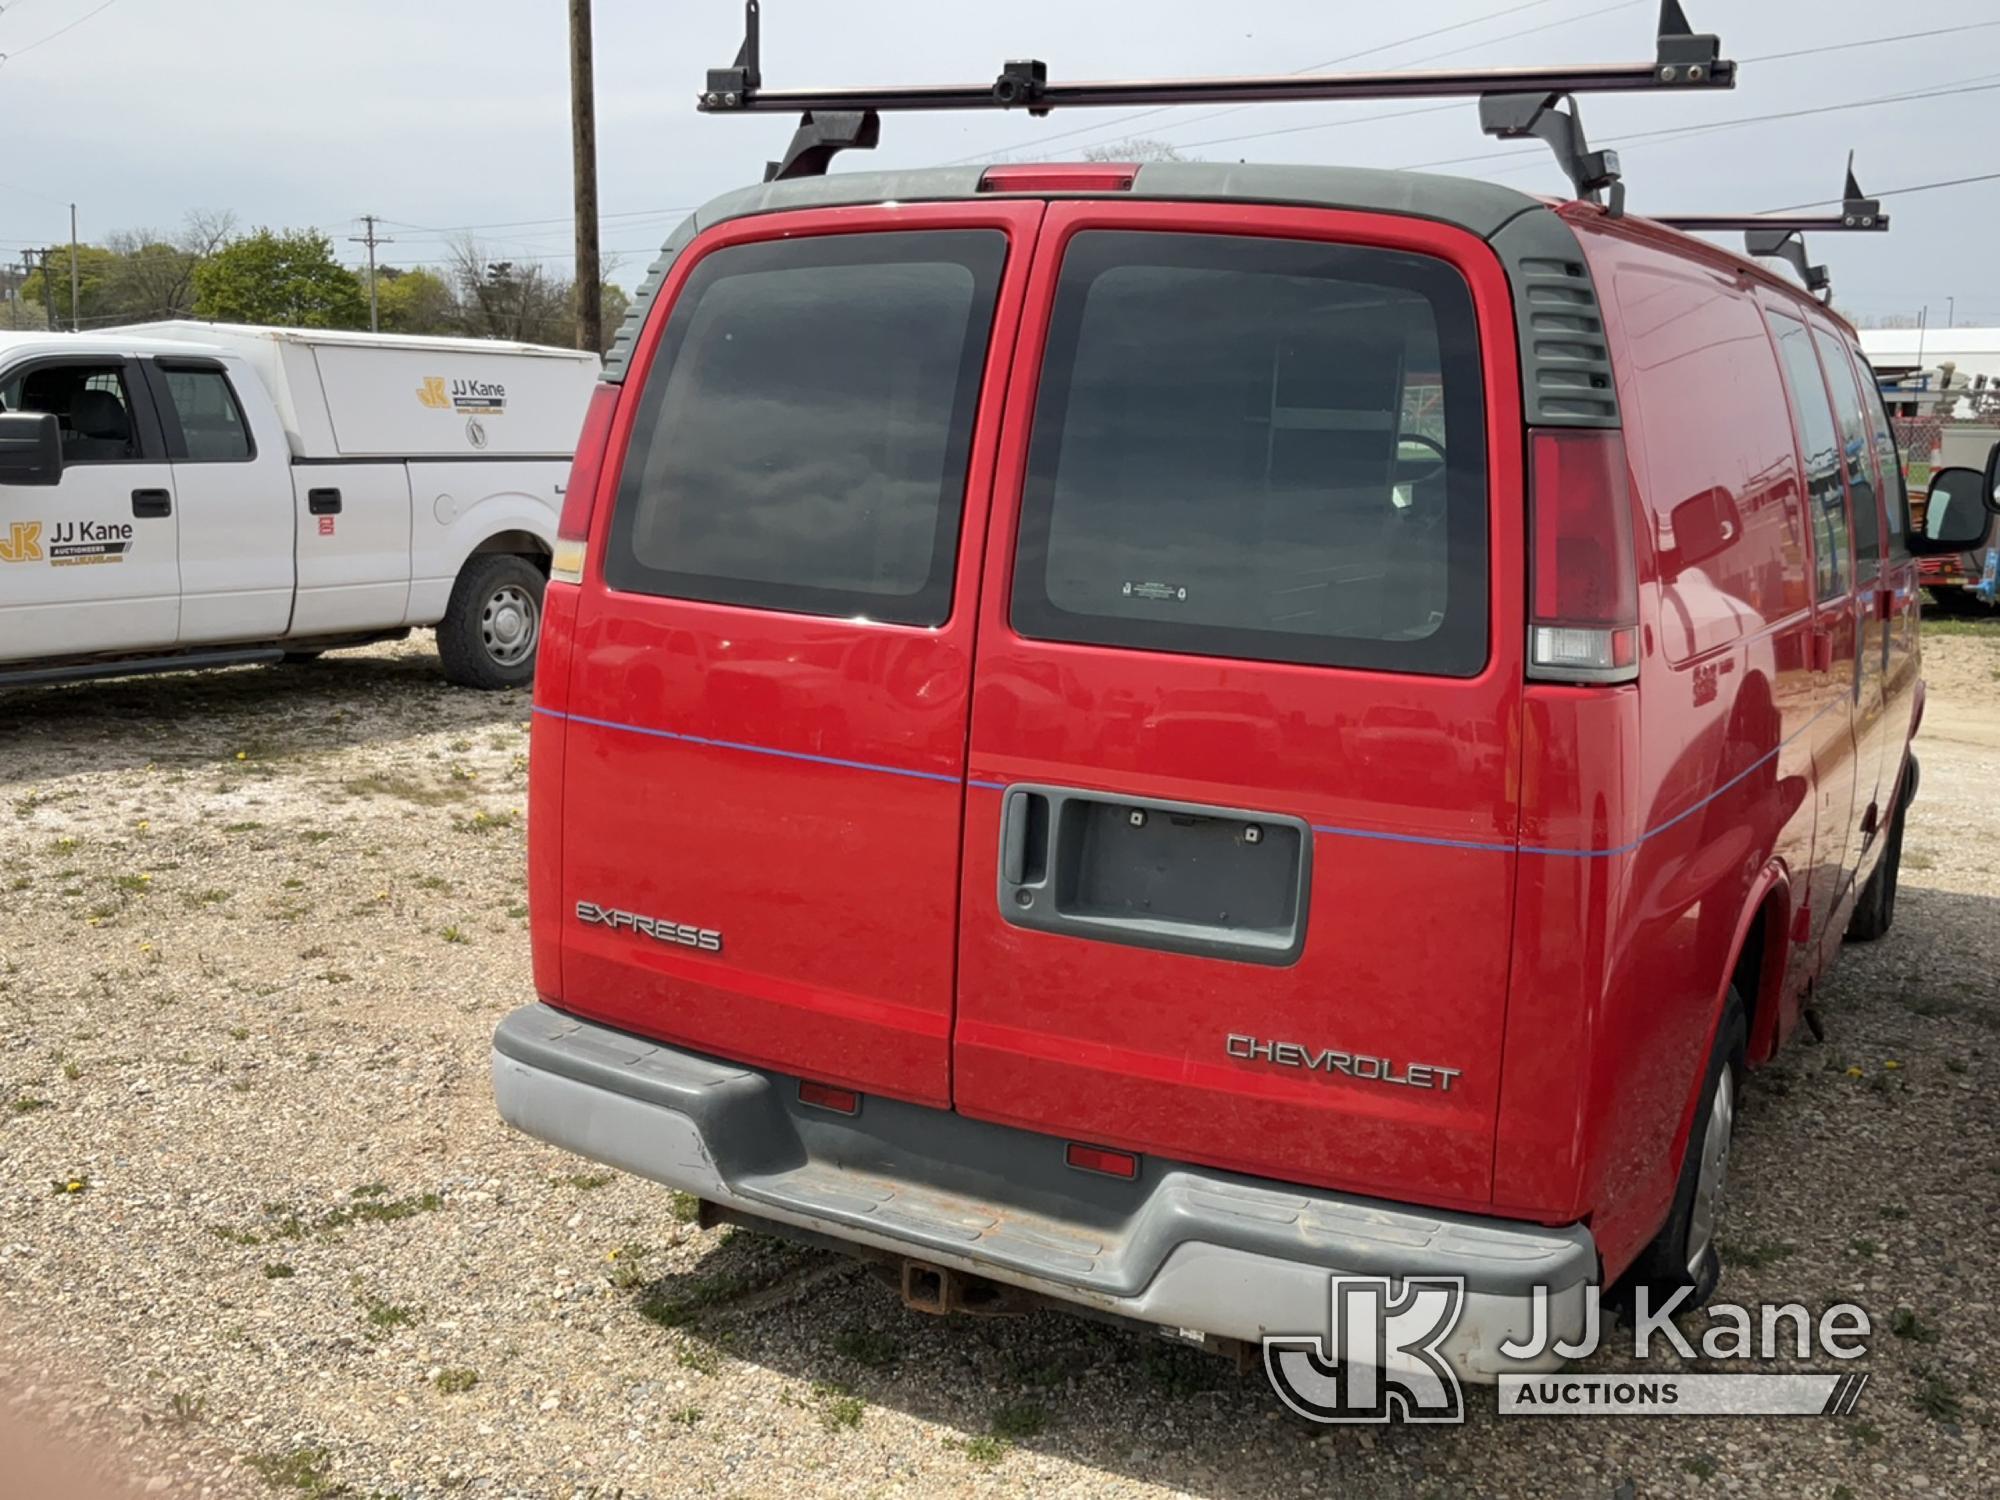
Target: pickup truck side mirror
pixel 30 448
pixel 1958 515
pixel 1992 491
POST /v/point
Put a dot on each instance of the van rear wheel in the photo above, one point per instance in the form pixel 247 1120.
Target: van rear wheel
pixel 1684 1253
pixel 490 628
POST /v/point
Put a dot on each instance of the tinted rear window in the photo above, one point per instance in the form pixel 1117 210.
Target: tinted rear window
pixel 802 439
pixel 1260 448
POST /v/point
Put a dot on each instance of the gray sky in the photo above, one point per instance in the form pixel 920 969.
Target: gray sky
pixel 293 112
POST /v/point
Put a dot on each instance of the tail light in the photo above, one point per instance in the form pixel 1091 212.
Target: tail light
pixel 1583 580
pixel 1060 177
pixel 580 498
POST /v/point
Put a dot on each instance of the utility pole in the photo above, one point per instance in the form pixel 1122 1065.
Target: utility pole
pixel 75 276
pixel 48 295
pixel 371 239
pixel 583 133
pixel 1951 312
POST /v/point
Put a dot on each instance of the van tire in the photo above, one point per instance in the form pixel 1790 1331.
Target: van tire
pixel 493 623
pixel 1875 907
pixel 1683 1253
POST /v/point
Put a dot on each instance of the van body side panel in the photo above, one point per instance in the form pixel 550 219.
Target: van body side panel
pixel 1401 782
pixel 1692 786
pixel 762 806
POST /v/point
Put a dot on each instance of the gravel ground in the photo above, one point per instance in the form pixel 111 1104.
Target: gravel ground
pixel 262 1232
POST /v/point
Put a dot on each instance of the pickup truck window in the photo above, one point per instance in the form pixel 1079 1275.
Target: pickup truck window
pixel 204 421
pixel 92 405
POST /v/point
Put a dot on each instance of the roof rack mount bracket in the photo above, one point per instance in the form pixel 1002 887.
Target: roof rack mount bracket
pixel 1789 246
pixel 822 135
pixel 728 87
pixel 1687 55
pixel 1519 116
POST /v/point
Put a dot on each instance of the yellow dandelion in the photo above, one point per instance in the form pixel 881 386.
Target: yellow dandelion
pixel 242 754
pixel 1854 1072
pixel 1892 1065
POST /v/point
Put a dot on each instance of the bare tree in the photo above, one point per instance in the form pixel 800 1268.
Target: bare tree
pixel 154 275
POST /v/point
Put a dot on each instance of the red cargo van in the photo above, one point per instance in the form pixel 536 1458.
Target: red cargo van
pixel 1150 733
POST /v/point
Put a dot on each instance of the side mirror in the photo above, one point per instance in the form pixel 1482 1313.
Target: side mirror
pixel 1992 491
pixel 30 448
pixel 1704 525
pixel 1958 513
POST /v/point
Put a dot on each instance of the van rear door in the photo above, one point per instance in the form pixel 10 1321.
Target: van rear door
pixel 766 718
pixel 1241 833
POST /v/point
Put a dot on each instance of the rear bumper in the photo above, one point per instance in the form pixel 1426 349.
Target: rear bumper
pixel 1185 1248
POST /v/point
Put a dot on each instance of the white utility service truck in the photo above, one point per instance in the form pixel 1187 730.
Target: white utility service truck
pixel 182 495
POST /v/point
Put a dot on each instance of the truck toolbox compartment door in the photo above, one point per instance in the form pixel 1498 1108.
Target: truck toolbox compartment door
pixel 1241 834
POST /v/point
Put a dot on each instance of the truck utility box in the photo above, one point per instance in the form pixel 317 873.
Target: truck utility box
pixel 362 395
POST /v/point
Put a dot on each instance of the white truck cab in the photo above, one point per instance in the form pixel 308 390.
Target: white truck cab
pixel 195 494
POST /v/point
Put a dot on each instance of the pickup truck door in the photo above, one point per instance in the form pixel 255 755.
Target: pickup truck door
pixel 90 564
pixel 232 486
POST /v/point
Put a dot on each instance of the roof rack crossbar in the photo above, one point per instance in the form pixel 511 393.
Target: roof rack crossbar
pixel 1514 101
pixel 1782 236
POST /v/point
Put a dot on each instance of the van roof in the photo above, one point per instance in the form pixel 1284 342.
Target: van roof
pixel 1533 243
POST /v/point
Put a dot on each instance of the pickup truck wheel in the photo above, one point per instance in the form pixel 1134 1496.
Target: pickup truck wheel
pixel 300 658
pixel 490 628
pixel 1684 1253
pixel 1875 907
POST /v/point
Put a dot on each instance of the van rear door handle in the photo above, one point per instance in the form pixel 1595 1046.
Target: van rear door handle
pixel 1822 650
pixel 148 504
pixel 323 502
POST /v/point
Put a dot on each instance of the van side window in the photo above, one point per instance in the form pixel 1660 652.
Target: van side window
pixel 1858 454
pixel 802 439
pixel 1260 448
pixel 1826 499
pixel 204 421
pixel 1728 519
pixel 1888 462
pixel 92 405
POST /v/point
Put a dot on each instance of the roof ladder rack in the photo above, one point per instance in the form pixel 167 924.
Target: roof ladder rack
pixel 1514 102
pixel 1782 236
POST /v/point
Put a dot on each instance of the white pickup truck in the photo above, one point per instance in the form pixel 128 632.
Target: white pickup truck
pixel 193 494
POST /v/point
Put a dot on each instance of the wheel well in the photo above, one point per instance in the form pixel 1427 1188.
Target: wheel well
pixel 1760 972
pixel 521 543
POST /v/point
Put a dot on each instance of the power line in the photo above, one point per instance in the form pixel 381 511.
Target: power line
pixel 635 213
pixel 1488 156
pixel 7 57
pixel 1873 41
pixel 1901 192
pixel 1968 87
pixel 1309 68
pixel 1428 57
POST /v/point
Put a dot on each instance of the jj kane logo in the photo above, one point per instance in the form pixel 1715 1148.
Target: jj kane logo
pixel 23 542
pixel 469 397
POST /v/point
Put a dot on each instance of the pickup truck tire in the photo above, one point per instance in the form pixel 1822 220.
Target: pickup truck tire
pixel 490 628
pixel 300 658
pixel 1684 1253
